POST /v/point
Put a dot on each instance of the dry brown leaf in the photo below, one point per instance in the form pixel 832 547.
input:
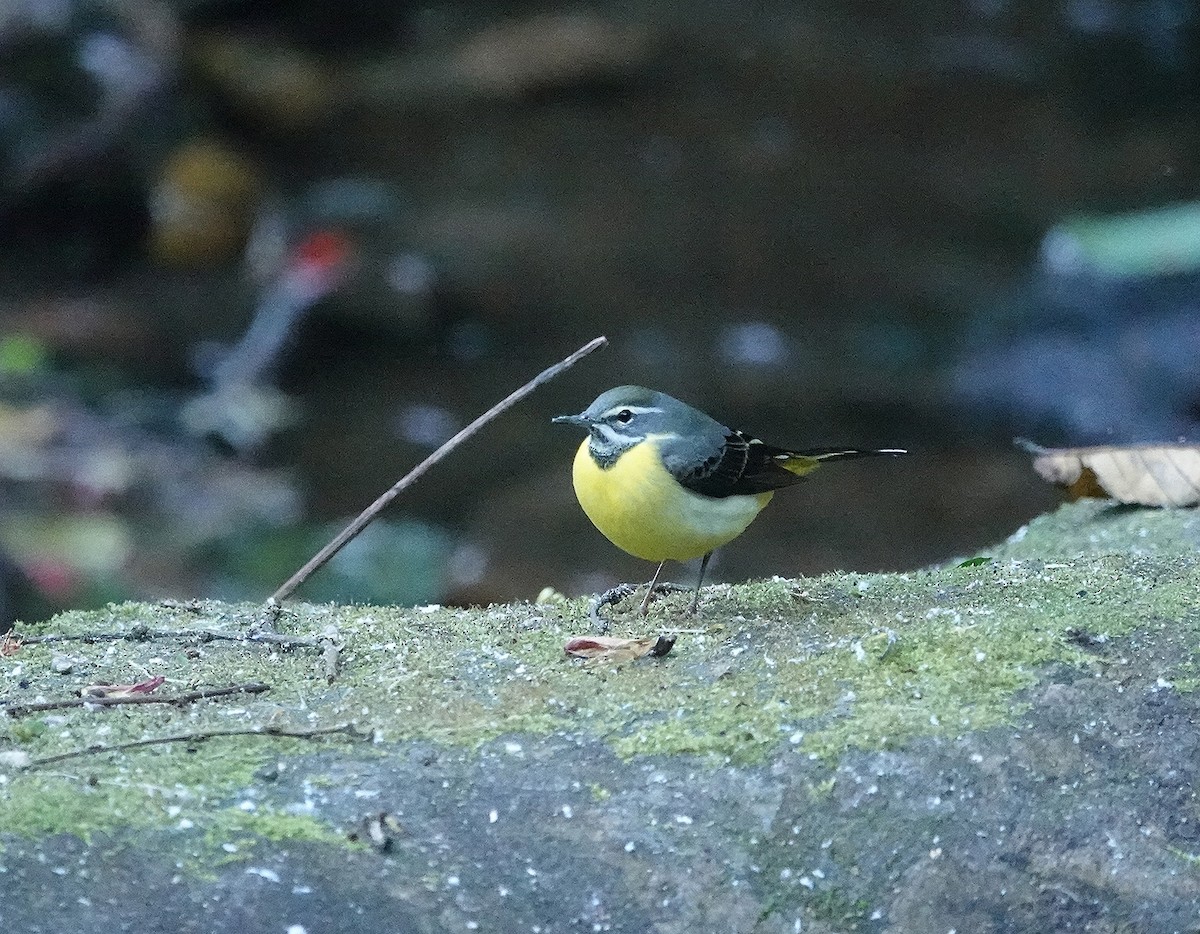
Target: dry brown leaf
pixel 612 649
pixel 124 690
pixel 1144 475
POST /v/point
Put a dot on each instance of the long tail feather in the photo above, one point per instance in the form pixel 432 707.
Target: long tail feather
pixel 805 462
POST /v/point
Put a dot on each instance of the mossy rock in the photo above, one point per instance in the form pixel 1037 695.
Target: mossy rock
pixel 998 745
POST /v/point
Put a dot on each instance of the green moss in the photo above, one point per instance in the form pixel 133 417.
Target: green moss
pixel 599 792
pixel 280 827
pixel 1183 671
pixel 822 789
pixel 153 786
pixel 1190 858
pixel 156 787
pixel 1185 675
pixel 822 902
pixel 59 806
pixel 835 907
pixel 1095 526
pixel 26 731
pixel 740 736
pixel 818 666
pixel 235 827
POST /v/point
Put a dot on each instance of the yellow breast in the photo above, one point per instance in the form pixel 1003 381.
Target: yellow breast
pixel 645 511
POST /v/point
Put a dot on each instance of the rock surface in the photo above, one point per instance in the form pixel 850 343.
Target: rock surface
pixel 1008 745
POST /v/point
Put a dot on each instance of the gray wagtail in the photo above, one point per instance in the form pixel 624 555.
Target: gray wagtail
pixel 663 481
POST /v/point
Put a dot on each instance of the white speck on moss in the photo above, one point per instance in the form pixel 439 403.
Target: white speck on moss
pixel 14 759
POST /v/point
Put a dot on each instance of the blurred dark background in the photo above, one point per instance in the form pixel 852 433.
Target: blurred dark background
pixel 259 258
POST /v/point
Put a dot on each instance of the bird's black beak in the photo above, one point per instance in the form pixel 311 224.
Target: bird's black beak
pixel 583 421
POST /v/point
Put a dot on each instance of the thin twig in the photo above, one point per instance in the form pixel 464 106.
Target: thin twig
pixel 20 710
pixel 143 634
pixel 198 737
pixel 270 637
pixel 330 660
pixel 367 515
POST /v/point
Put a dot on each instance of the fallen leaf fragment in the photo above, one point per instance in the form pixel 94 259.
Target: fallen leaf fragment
pixel 379 830
pixel 612 649
pixel 105 691
pixel 1143 475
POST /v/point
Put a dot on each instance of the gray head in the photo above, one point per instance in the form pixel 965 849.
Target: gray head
pixel 625 416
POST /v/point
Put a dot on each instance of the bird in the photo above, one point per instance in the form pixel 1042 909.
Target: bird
pixel 663 481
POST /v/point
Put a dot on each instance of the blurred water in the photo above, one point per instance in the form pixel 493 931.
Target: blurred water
pixel 822 223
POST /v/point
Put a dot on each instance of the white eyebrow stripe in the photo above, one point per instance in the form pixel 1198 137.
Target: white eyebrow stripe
pixel 633 409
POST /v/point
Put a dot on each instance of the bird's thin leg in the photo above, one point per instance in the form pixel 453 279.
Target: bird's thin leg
pixel 699 581
pixel 650 589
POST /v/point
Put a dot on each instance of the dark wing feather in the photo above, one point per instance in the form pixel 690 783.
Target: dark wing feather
pixel 742 465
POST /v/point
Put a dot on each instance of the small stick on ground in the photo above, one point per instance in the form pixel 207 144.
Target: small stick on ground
pixel 199 737
pixel 21 710
pixel 330 659
pixel 144 634
pixel 368 515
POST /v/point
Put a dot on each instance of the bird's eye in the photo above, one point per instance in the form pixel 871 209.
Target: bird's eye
pixel 624 416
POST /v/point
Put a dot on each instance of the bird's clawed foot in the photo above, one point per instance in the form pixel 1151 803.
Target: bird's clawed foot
pixel 614 595
pixel 608 598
